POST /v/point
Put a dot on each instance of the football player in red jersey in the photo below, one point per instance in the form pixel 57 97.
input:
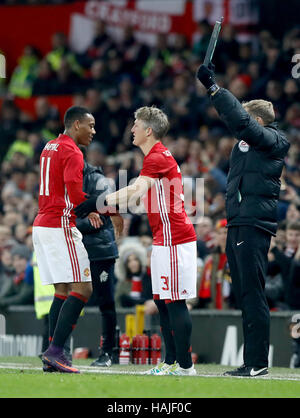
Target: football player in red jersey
pixel 173 260
pixel 61 257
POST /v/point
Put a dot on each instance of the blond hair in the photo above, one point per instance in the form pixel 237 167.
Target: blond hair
pixel 260 108
pixel 153 118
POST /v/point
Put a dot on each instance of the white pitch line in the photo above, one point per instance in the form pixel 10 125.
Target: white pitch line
pixel 93 370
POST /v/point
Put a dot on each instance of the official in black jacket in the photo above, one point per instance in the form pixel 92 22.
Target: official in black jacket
pixel 252 194
pixel 102 250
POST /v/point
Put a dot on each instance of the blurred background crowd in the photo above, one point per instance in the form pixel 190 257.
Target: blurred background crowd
pixel 112 79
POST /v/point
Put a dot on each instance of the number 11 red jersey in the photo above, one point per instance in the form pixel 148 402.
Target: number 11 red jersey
pixel 61 181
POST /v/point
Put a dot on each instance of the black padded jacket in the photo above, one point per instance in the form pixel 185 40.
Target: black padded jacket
pixel 99 243
pixel 256 164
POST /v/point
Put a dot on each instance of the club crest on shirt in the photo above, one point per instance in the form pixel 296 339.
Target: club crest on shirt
pixel 86 272
pixel 243 146
pixel 167 153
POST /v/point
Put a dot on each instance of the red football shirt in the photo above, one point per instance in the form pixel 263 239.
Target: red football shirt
pixel 164 202
pixel 61 183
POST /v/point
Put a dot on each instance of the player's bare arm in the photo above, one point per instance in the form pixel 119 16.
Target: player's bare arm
pixel 137 190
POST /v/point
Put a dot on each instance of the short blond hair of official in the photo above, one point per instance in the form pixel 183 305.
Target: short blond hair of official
pixel 260 108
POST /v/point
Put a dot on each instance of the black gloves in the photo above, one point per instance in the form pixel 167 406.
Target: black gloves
pixel 86 207
pixel 206 75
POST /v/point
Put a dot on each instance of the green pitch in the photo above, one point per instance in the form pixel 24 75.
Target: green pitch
pixel 22 377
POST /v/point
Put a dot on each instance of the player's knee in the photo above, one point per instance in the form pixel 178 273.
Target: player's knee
pixel 88 290
pixel 84 289
pixel 61 289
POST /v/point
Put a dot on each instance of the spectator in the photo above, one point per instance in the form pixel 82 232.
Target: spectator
pixel 292 239
pixel 130 269
pixel 37 144
pixel 293 213
pixel 96 105
pixel 200 45
pixel 178 101
pixel 291 91
pixel 245 55
pixel 21 232
pixel 6 269
pixel 274 288
pixel 215 286
pixel 60 50
pixel 129 94
pixel 10 122
pixel 205 236
pixel 18 291
pixel 293 299
pixel 95 154
pixel 115 67
pixel 281 258
pixel 227 49
pixel 271 63
pixel 150 307
pixel 44 111
pixel 117 117
pixel 135 54
pixel 274 93
pixel 67 81
pixel 181 150
pixel 45 77
pixel 159 78
pixel 293 287
pixel 98 78
pixel 101 44
pixel 21 145
pixel 24 74
pixel 5 236
pixel 240 87
pixel 161 52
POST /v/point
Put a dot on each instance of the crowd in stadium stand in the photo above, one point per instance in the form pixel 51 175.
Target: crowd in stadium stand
pixel 113 80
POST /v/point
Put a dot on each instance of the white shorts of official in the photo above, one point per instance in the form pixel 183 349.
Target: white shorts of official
pixel 174 271
pixel 61 255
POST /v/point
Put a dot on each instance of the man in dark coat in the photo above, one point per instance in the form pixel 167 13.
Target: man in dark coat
pixel 252 194
pixel 102 250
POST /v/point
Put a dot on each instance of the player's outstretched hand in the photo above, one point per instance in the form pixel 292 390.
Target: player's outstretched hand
pixel 206 75
pixel 86 207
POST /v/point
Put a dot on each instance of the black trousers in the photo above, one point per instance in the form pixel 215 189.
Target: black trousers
pixel 103 279
pixel 247 250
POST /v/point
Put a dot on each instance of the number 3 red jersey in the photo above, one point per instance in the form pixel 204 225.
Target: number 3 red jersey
pixel 164 202
pixel 61 182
